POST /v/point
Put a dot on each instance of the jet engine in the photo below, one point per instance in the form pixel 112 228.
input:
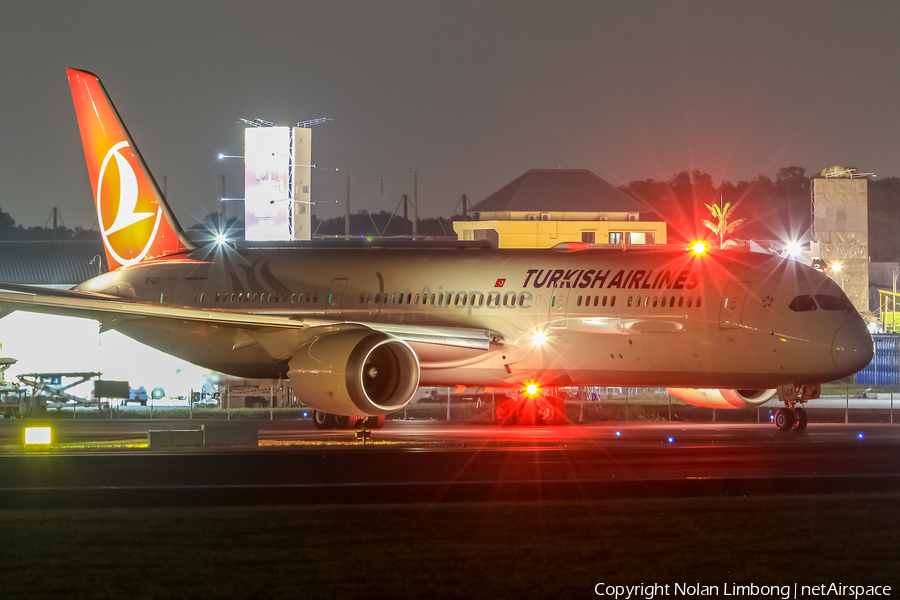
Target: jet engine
pixel 722 398
pixel 354 371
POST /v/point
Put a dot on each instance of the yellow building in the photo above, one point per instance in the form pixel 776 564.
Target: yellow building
pixel 545 207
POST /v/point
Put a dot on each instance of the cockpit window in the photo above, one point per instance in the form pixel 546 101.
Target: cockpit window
pixel 830 302
pixel 802 303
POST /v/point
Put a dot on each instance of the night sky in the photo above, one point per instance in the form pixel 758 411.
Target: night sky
pixel 468 94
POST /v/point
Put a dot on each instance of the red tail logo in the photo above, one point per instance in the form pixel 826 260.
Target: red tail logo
pixel 134 220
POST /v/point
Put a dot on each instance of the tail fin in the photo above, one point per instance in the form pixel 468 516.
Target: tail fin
pixel 135 221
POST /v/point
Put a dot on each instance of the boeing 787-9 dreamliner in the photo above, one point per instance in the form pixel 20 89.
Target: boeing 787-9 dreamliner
pixel 357 330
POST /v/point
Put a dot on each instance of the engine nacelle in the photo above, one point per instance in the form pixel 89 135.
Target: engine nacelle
pixel 355 371
pixel 722 398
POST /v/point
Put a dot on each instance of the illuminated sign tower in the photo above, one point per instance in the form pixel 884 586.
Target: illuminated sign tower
pixel 277 173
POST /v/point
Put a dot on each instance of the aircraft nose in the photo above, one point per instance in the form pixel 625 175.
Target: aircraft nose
pixel 853 347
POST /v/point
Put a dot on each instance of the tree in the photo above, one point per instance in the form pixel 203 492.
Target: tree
pixel 721 227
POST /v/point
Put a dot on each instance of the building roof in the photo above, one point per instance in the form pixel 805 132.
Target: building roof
pixel 559 190
pixel 49 262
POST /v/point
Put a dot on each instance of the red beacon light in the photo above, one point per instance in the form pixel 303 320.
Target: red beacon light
pixel 698 248
pixel 531 389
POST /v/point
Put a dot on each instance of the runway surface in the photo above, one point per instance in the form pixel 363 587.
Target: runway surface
pixel 440 462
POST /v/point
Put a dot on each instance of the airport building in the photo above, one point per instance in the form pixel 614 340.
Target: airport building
pixel 545 207
pixel 56 264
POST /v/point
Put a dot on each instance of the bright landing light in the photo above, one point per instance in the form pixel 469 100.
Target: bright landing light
pixel 37 435
pixel 221 238
pixel 540 337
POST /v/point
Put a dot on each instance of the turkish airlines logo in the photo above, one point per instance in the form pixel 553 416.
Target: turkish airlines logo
pixel 500 283
pixel 128 237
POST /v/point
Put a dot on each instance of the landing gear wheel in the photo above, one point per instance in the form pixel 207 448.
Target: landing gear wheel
pixel 373 422
pixel 545 413
pixel 345 422
pixel 785 419
pixel 503 412
pixel 323 420
pixel 801 419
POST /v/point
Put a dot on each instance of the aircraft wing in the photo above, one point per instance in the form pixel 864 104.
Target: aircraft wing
pixel 112 311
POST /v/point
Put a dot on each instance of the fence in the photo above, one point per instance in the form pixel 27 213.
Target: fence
pixel 885 367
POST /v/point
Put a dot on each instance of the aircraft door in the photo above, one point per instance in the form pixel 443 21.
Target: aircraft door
pixel 165 295
pixel 556 308
pixel 732 307
pixel 336 295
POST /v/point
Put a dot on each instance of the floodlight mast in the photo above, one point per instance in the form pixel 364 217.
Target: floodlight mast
pixel 310 123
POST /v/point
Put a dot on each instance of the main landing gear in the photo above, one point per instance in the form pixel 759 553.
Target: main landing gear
pixel 525 411
pixel 323 420
pixel 793 416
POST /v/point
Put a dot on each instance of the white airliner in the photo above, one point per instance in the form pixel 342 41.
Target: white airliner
pixel 356 331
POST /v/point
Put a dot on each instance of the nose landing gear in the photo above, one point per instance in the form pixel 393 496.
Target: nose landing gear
pixel 793 416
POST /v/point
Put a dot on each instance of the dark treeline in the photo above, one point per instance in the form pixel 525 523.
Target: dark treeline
pixel 382 223
pixel 775 209
pixel 778 209
pixel 10 231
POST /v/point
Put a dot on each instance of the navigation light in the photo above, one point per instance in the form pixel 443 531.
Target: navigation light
pixel 860 435
pixel 531 389
pixel 671 440
pixel 618 434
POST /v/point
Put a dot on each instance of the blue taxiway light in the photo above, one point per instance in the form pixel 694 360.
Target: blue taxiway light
pixel 305 414
pixel 860 435
pixel 671 440
pixel 618 434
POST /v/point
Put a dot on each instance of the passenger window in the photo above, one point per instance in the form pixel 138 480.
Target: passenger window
pixel 638 302
pixel 801 304
pixel 699 300
pixel 655 301
pixel 690 301
pixel 232 296
pixel 201 298
pixel 629 301
pixel 417 300
pixel 464 298
pixel 596 300
pixel 604 300
pixel 579 301
pixel 315 297
pixel 829 302
pixel 680 301
pixel 646 301
pixel 254 296
pixel 672 302
pixel 612 301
